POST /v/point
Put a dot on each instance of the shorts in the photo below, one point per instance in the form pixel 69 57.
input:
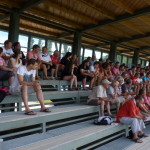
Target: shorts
pixel 119 99
pixel 5 75
pixel 17 90
pixel 53 66
pixel 93 102
pixel 47 65
pixel 81 77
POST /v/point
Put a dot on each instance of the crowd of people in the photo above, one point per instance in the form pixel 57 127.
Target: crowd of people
pixel 128 88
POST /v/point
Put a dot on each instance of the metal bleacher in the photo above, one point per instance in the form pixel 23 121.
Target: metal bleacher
pixel 68 127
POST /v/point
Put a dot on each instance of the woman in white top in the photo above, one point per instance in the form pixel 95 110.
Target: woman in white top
pixel 16 61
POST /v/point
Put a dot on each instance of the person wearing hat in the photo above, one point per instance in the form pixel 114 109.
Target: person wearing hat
pixel 99 97
pixel 130 114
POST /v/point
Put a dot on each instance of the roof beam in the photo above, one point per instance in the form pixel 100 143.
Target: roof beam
pixel 102 44
pixel 63 35
pixel 145 47
pixel 6 8
pixel 48 22
pixel 96 37
pixel 29 4
pixel 118 19
pixel 4 17
pixel 135 37
pixel 123 4
pixel 100 10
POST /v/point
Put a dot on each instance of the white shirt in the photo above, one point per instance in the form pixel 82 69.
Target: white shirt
pixel 92 69
pixel 139 80
pixel 98 91
pixel 7 52
pixel 27 76
pixel 45 57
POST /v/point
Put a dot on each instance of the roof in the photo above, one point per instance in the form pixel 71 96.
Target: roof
pixel 125 22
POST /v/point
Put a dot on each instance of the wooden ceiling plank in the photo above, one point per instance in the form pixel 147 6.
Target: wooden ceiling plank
pixel 56 18
pixel 101 10
pixel 111 27
pixel 132 27
pixel 9 3
pixel 123 4
pixel 29 27
pixel 147 1
pixel 146 20
pixel 71 12
pixel 30 4
pixel 4 17
pixel 118 19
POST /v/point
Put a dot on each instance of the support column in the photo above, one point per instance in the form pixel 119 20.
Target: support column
pixel 135 57
pixel 76 48
pixel 13 34
pixel 112 53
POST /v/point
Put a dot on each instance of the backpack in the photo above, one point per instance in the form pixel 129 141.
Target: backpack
pixel 105 120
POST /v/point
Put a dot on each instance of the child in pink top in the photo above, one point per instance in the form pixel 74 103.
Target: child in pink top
pixel 147 99
pixel 32 54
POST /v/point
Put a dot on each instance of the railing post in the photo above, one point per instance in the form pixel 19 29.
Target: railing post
pixel 1 144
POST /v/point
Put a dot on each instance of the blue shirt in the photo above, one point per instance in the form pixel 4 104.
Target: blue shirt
pixel 145 78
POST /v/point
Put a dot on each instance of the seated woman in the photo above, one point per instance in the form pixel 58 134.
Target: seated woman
pixel 136 81
pixel 16 61
pixel 95 70
pixel 84 74
pixel 5 73
pixel 144 109
pixel 65 60
pixel 107 71
pixel 147 99
pixel 68 74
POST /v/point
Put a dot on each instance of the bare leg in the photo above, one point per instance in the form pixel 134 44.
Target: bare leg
pixel 43 66
pixel 52 72
pixel 84 82
pixel 24 94
pixel 75 81
pixel 39 95
pixel 118 106
pixel 92 83
pixel 69 78
pixel 108 108
pixel 56 70
pixel 102 104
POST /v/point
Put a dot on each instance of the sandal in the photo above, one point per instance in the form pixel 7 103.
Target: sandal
pixel 137 140
pixel 30 113
pixel 46 110
pixel 143 135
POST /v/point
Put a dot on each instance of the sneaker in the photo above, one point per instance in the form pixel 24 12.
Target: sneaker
pixel 52 78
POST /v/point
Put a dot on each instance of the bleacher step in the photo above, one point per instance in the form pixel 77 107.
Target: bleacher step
pixel 124 143
pixel 83 134
pixel 44 120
